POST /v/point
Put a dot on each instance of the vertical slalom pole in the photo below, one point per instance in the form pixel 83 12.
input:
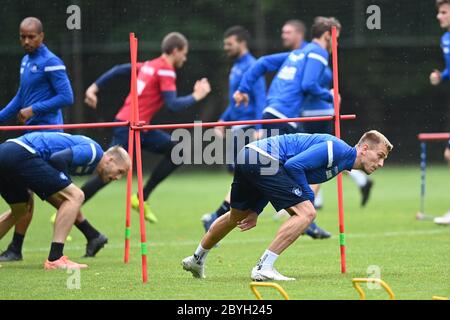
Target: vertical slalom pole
pixel 337 127
pixel 423 168
pixel 139 175
pixel 133 91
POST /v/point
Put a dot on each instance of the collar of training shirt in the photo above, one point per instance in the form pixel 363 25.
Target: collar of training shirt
pixel 41 49
pixel 244 57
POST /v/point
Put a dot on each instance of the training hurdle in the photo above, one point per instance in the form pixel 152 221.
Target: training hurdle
pixel 276 286
pixel 134 147
pixel 439 298
pixel 362 296
pixel 424 138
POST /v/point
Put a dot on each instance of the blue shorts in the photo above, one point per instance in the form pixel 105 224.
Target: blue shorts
pixel 21 170
pixel 259 180
pixel 157 141
pixel 283 128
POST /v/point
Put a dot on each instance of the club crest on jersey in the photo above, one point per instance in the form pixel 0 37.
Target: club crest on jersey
pixel 34 68
pixel 297 192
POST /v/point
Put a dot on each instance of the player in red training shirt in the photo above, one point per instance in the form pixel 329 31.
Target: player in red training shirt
pixel 156 86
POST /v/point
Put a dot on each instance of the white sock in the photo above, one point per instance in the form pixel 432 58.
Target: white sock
pixel 200 254
pixel 267 259
pixel 359 177
pixel 318 200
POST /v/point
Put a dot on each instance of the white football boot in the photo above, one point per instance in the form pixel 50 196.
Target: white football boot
pixel 444 220
pixel 190 264
pixel 267 274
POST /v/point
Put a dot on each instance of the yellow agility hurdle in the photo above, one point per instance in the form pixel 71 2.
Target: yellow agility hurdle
pixel 439 298
pixel 356 284
pixel 255 291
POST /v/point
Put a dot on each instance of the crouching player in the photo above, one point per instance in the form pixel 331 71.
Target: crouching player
pixel 42 162
pixel 279 170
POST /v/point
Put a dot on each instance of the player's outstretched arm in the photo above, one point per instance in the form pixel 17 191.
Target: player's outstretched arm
pixel 116 71
pixel 201 89
pixel 263 65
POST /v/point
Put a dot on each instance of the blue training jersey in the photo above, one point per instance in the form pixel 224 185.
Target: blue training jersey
pixel 299 74
pixel 257 93
pixel 44 86
pixel 308 158
pixel 313 106
pixel 445 45
pixel 86 153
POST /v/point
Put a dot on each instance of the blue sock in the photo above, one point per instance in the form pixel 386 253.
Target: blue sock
pixel 312 227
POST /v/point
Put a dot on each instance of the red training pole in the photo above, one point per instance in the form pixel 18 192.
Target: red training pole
pixel 139 176
pixel 129 193
pixel 133 91
pixel 337 128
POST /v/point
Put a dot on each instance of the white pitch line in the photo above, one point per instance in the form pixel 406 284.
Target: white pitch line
pixel 118 245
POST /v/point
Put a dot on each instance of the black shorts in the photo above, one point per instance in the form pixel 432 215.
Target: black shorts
pixel 259 180
pixel 21 170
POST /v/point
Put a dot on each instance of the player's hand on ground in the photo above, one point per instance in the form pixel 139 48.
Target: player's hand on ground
pixel 249 222
pixel 201 89
pixel 240 98
pixel 24 115
pixel 219 132
pixel 91 96
pixel 435 77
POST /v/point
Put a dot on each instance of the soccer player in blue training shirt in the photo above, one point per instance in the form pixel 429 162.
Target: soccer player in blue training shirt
pixel 445 219
pixel 443 16
pixel 44 90
pixel 42 162
pixel 279 170
pixel 235 45
pixel 298 76
pixel 293 34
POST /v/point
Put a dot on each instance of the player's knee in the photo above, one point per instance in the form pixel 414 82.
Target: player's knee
pixel 310 214
pixel 76 195
pixel 236 215
pixel 233 219
pixel 19 210
pixel 304 209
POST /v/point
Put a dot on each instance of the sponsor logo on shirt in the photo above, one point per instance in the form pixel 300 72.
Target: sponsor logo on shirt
pixel 287 73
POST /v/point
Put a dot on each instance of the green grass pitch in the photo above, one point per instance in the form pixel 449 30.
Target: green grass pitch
pixel 412 256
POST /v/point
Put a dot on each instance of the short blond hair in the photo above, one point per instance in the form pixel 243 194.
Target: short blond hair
pixel 119 155
pixel 374 137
